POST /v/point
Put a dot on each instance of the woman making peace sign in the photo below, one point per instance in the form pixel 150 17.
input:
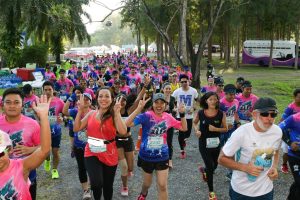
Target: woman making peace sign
pixel 153 154
pixel 101 155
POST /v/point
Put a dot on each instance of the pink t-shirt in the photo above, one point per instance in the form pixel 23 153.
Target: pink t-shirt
pixel 246 106
pixel 65 85
pixel 230 108
pixel 49 76
pixel 26 131
pixel 27 107
pixel 125 89
pixel 133 80
pixel 12 183
pixel 221 94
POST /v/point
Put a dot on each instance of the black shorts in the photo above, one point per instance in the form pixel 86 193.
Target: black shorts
pixel 125 142
pixel 149 167
pixel 55 141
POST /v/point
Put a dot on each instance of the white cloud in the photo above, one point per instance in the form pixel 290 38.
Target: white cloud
pixel 98 12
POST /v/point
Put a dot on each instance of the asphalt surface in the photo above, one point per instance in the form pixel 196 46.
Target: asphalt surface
pixel 185 182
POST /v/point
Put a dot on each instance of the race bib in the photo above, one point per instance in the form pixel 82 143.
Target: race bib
pixel 212 142
pixel 229 120
pixel 82 136
pixel 155 142
pixel 52 119
pixel 96 145
pixel 63 97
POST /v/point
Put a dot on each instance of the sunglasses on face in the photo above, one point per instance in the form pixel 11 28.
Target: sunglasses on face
pixel 221 85
pixel 3 153
pixel 266 114
pixel 183 81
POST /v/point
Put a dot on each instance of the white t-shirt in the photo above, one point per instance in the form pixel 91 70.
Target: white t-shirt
pixel 186 97
pixel 247 145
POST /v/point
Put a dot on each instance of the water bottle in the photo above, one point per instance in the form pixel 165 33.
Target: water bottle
pixel 259 162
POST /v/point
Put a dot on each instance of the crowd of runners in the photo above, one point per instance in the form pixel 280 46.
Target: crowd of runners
pixel 99 101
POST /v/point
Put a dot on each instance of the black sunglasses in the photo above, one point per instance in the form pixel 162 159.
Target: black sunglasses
pixel 266 114
pixel 221 85
pixel 183 82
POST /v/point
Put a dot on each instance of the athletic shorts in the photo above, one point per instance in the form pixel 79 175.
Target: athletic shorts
pixel 55 141
pixel 284 147
pixel 149 167
pixel 125 142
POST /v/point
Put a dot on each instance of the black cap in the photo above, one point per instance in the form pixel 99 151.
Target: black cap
pixel 230 88
pixel 158 96
pixel 62 71
pixel 240 80
pixel 265 104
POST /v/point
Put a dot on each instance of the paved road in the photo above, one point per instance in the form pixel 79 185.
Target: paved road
pixel 184 180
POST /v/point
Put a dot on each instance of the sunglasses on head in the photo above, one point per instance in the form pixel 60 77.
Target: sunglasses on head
pixel 267 114
pixel 3 153
pixel 183 81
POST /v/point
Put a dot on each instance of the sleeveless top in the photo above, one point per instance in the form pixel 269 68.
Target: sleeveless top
pixel 12 183
pixel 205 121
pixel 106 131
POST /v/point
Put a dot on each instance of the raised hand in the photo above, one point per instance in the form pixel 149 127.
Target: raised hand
pixel 143 102
pixel 42 107
pixel 80 103
pixel 181 108
pixel 118 106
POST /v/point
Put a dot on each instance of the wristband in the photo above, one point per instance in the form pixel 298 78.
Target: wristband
pixel 181 115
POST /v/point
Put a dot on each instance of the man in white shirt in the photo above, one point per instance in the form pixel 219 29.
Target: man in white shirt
pixel 187 95
pixel 252 152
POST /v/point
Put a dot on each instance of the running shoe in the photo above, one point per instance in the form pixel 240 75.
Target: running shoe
pixel 285 168
pixel 124 191
pixel 55 174
pixel 212 196
pixel 47 165
pixel 202 171
pixel 182 155
pixel 87 195
pixel 141 197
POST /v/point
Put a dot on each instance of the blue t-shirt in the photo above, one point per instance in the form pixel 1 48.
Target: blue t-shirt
pixel 80 137
pixel 292 124
pixel 154 146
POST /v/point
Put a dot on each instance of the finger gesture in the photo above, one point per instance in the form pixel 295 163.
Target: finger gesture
pixel 118 106
pixel 80 104
pixel 181 108
pixel 42 107
pixel 143 102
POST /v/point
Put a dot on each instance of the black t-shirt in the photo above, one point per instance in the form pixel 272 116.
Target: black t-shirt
pixel 205 121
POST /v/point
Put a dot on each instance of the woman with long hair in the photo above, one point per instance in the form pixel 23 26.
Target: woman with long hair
pixel 101 154
pixel 212 124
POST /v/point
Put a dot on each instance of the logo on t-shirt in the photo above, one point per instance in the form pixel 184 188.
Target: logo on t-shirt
pixel 8 191
pixel 246 106
pixel 16 137
pixel 186 99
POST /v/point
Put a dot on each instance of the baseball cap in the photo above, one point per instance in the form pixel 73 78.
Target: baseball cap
pixel 265 104
pixel 4 141
pixel 230 88
pixel 158 96
pixel 246 84
pixel 240 80
pixel 88 96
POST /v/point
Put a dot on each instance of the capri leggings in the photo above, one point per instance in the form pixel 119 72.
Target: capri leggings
pixel 101 177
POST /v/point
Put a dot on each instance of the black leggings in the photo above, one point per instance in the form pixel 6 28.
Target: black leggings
pixel 170 133
pixel 32 189
pixel 295 187
pixel 210 158
pixel 186 134
pixel 79 155
pixel 101 177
